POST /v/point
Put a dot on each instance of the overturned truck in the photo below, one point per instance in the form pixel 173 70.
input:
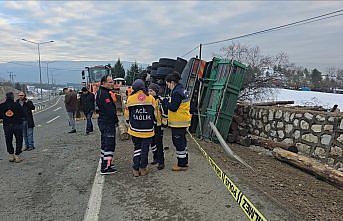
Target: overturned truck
pixel 214 87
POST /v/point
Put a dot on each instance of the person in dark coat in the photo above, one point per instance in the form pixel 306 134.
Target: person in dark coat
pixel 87 101
pixel 28 122
pixel 107 122
pixel 70 102
pixel 12 115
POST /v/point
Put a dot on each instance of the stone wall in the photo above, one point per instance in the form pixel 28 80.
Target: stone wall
pixel 316 134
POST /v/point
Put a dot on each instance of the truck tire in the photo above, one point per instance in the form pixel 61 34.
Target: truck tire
pixel 166 62
pixel 154 65
pixel 164 71
pixel 153 72
pixel 180 65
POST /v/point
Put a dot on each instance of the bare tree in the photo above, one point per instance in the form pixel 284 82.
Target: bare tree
pixel 260 75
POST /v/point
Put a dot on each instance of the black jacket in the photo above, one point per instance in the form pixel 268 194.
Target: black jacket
pixel 106 105
pixel 11 113
pixel 87 102
pixel 28 107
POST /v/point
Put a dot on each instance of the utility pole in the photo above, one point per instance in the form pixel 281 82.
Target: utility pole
pixel 11 75
pixel 40 68
pixel 47 75
pixel 52 79
pixel 40 74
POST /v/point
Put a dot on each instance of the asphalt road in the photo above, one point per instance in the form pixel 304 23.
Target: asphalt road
pixel 56 182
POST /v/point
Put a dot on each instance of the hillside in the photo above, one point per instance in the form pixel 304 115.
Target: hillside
pixel 4 90
pixel 63 71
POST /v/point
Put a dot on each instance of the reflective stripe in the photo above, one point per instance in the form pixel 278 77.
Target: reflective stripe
pixel 108 158
pixel 141 134
pixel 185 100
pixel 154 148
pixel 182 156
pixel 139 104
pixel 137 154
pixel 180 123
pixel 138 151
pixel 107 152
pixel 141 130
pixel 181 152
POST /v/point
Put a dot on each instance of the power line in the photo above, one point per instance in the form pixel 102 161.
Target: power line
pixel 301 22
pixel 332 16
pixel 190 51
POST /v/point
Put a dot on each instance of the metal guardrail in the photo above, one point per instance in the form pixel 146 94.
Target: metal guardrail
pixel 43 104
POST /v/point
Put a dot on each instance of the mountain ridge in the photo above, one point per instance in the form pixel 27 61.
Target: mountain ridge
pixel 63 71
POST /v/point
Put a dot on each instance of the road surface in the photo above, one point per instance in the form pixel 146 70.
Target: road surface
pixel 58 181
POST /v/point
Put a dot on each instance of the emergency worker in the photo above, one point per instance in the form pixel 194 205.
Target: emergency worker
pixel 107 123
pixel 140 114
pixel 157 143
pixel 179 119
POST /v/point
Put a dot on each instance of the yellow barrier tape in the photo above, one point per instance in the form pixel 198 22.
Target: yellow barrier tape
pixel 244 203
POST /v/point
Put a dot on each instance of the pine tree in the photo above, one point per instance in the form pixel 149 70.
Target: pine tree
pixel 118 70
pixel 316 78
pixel 17 86
pixel 132 74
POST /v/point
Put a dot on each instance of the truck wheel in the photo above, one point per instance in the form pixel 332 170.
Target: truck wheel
pixel 154 65
pixel 166 62
pixel 164 71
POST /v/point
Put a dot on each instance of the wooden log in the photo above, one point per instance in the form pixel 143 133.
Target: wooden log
pixel 269 144
pixel 243 132
pixel 311 166
pixel 273 103
pixel 238 119
pixel 335 108
pixel 244 141
pixel 234 126
pixel 231 138
pixel 123 135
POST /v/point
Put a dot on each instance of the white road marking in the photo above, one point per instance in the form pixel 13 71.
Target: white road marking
pixel 57 109
pixel 93 209
pixel 34 113
pixel 52 119
pixel 50 106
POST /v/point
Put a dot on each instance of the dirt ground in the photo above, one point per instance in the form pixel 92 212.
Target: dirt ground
pixel 297 192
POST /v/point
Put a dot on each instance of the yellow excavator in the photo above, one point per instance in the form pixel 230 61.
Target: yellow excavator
pixel 93 79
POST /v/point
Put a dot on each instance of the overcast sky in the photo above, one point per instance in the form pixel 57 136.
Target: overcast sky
pixel 145 31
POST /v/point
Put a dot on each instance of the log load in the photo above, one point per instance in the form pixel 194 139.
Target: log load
pixel 123 127
pixel 273 103
pixel 269 144
pixel 123 135
pixel 310 165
